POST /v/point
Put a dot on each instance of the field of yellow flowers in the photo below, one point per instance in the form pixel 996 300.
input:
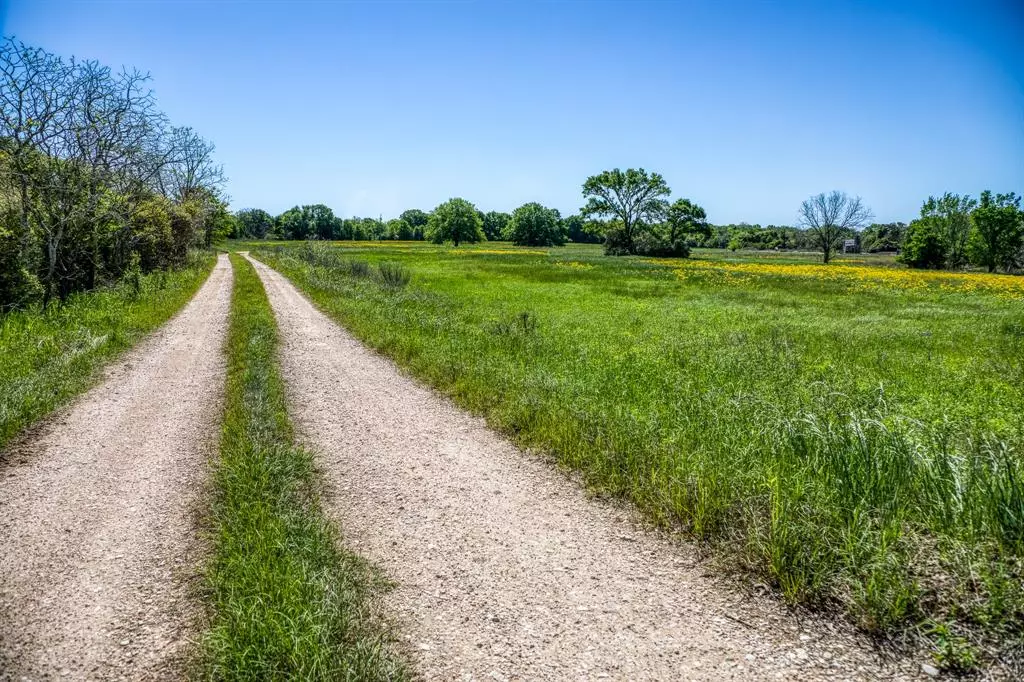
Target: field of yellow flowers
pixel 850 274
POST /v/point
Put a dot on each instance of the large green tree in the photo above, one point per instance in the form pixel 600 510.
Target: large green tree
pixel 925 244
pixel 950 215
pixel 254 223
pixel 686 219
pixel 417 219
pixel 830 218
pixel 536 225
pixel 495 224
pixel 456 221
pixel 634 197
pixel 997 237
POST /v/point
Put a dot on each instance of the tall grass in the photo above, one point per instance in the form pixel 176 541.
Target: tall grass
pixel 859 449
pixel 287 602
pixel 48 357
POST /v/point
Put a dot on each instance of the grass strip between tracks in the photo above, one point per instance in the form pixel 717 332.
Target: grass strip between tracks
pixel 287 601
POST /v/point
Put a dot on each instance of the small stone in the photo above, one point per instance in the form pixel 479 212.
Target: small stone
pixel 929 670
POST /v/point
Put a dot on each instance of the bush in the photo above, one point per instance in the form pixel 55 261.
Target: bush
pixel 394 275
pixel 925 246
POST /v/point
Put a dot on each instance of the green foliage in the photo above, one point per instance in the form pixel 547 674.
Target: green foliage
pixel 399 229
pixel 685 222
pixel 93 179
pixel 49 356
pixel 308 222
pixel 853 448
pixel 997 239
pixel 635 198
pixel 287 602
pixel 951 218
pixel 456 221
pixel 495 224
pixel 417 219
pixel 253 223
pixel 925 245
pixel 535 225
pixel 581 231
pixel 883 237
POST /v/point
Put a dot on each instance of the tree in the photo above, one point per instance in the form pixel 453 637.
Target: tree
pixel 495 225
pixel 951 217
pixel 85 157
pixel 293 225
pixel 686 219
pixel 456 221
pixel 254 223
pixel 925 245
pixel 581 231
pixel 399 229
pixel 417 220
pixel 634 198
pixel 997 237
pixel 879 237
pixel 829 218
pixel 535 225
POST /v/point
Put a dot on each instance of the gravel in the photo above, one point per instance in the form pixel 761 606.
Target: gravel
pixel 504 568
pixel 99 525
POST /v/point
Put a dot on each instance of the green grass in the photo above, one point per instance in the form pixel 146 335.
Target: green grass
pixel 48 357
pixel 858 446
pixel 287 603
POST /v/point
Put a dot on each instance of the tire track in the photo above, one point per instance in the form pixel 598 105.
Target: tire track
pixel 98 526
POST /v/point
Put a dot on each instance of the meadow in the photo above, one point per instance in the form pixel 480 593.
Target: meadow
pixel 49 356
pixel 849 433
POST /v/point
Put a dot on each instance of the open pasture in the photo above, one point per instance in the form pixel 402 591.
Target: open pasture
pixel 851 432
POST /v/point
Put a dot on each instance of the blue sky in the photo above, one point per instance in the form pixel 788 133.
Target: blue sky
pixel 745 107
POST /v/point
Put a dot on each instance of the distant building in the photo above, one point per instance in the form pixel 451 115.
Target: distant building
pixel 851 246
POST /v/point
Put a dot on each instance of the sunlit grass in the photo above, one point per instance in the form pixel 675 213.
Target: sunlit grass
pixel 853 439
pixel 286 601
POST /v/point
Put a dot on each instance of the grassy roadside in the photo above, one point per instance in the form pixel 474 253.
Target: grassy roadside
pixel 286 602
pixel 47 358
pixel 850 435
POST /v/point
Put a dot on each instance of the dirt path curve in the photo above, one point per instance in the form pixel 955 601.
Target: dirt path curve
pixel 98 510
pixel 505 569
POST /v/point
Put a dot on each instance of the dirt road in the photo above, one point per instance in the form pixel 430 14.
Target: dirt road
pixel 98 524
pixel 505 569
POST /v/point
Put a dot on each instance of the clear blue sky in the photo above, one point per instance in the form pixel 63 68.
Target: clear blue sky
pixel 745 107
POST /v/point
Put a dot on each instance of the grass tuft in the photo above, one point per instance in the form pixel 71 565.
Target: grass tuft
pixel 287 602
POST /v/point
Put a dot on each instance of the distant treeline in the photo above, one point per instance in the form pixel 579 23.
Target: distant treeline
pixel 317 221
pixel 95 183
pixel 629 212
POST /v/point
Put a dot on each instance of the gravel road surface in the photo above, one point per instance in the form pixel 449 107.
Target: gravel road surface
pixel 98 524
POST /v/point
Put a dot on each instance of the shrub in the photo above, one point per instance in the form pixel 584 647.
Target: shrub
pixel 394 275
pixel 925 246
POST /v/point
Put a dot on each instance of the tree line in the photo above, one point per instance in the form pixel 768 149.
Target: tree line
pixel 630 212
pixel 95 182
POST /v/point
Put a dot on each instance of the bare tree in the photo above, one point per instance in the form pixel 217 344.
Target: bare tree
pixel 828 218
pixel 81 149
